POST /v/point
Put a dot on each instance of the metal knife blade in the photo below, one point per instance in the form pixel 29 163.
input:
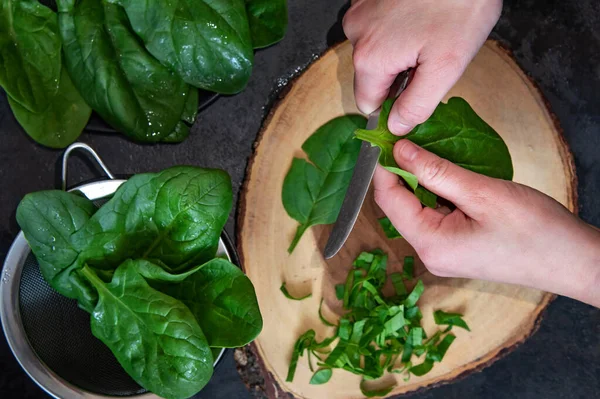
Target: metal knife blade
pixel 360 181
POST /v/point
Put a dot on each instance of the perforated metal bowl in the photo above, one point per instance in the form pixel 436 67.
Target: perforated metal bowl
pixel 48 333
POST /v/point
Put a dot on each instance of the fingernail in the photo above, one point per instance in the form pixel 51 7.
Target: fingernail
pixel 408 151
pixel 398 128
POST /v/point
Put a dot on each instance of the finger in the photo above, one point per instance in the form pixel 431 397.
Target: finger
pixel 456 184
pixel 427 88
pixel 373 75
pixel 401 206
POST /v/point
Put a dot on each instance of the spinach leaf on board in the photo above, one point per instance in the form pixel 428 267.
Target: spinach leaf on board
pixel 173 218
pixel 219 295
pixel 48 220
pixel 153 336
pixel 117 77
pixel 388 228
pixel 62 122
pixel 454 132
pixel 321 376
pixel 286 293
pixel 450 319
pixel 207 42
pixel 313 191
pixel 30 58
pixel 268 20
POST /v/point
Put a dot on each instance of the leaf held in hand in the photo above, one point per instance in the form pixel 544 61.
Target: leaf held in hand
pixel 313 191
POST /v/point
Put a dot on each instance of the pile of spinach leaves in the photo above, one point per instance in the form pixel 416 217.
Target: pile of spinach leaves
pixel 377 334
pixel 143 265
pixel 313 192
pixel 138 64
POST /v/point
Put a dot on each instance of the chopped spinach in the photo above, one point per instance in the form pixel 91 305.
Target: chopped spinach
pixel 287 294
pixel 388 228
pixel 377 334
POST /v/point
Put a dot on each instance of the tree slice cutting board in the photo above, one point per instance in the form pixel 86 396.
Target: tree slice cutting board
pixel 500 316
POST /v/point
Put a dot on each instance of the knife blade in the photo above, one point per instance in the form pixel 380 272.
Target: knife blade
pixel 360 181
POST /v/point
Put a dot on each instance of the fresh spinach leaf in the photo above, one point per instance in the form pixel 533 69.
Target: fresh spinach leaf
pixel 323 319
pixel 206 42
pixel 153 336
pixel 62 122
pixel 422 369
pixel 454 132
pixel 313 191
pixel 415 294
pixel 173 218
pixel 48 220
pixel 188 117
pixel 219 295
pixel 30 53
pixel 450 319
pixel 408 268
pixel 268 20
pixel 287 294
pixel 372 393
pixel 437 353
pixel 321 376
pixel 117 77
pixel 388 228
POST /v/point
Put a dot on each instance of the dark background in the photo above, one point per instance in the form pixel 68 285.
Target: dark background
pixel 556 42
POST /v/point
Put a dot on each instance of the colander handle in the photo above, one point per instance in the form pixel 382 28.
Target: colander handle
pixel 89 150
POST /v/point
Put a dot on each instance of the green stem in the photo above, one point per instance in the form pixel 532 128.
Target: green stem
pixel 301 229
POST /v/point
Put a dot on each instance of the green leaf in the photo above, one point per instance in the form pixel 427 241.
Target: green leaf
pixel 454 132
pixel 304 342
pixel 30 53
pixel 449 319
pixel 48 220
pixel 395 323
pixel 61 122
pixel 173 218
pixel 321 376
pixel 206 42
pixel 188 117
pixel 313 191
pixel 437 353
pixel 268 20
pixel 415 294
pixel 323 319
pixel 408 268
pixel 153 336
pixel 115 74
pixel 388 228
pixel 398 283
pixel 422 369
pixel 219 295
pixel 371 393
pixel 289 296
pixel 339 291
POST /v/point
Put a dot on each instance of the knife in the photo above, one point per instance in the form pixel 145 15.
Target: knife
pixel 361 179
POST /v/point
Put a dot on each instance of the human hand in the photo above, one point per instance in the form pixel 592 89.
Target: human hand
pixel 500 231
pixel 438 37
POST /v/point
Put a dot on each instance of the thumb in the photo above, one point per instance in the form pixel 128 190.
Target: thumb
pixel 427 88
pixel 460 186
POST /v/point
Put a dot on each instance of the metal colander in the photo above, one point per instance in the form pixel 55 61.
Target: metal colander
pixel 50 335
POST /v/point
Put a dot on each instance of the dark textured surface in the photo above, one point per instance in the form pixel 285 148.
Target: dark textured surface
pixel 557 42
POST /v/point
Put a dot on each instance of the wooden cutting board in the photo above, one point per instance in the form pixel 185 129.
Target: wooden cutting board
pixel 500 316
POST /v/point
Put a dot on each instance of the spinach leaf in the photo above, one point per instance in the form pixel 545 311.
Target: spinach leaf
pixel 323 319
pixel 422 369
pixel 268 20
pixel 30 59
pixel 450 319
pixel 188 117
pixel 173 218
pixel 371 393
pixel 207 42
pixel 62 122
pixel 48 220
pixel 153 336
pixel 388 228
pixel 313 192
pixel 321 376
pixel 114 73
pixel 454 132
pixel 219 295
pixel 286 293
